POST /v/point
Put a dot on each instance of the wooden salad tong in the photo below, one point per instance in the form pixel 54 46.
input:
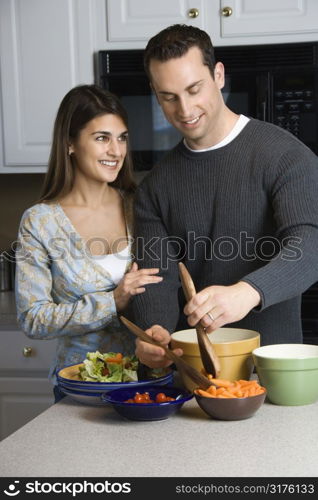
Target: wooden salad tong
pixel 183 367
pixel 210 360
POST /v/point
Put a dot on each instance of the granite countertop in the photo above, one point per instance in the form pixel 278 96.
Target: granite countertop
pixel 8 315
pixel 70 439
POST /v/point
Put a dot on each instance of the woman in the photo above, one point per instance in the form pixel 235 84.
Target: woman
pixel 74 270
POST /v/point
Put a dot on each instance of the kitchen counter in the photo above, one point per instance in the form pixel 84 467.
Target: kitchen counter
pixel 70 439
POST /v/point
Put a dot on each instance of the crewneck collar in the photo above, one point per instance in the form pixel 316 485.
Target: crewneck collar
pixel 238 127
pixel 201 155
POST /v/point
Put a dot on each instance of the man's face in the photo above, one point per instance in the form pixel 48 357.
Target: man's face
pixel 190 99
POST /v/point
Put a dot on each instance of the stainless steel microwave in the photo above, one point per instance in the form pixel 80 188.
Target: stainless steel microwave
pixel 276 83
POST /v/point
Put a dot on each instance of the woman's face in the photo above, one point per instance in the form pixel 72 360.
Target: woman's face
pixel 100 148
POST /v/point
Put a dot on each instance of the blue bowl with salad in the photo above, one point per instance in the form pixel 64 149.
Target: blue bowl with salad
pixel 103 372
pixel 148 403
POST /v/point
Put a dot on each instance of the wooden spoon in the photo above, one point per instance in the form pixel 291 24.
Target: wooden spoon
pixel 209 358
pixel 183 367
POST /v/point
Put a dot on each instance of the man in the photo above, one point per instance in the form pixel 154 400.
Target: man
pixel 235 200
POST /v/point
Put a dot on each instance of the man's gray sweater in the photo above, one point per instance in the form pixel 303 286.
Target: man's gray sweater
pixel 245 211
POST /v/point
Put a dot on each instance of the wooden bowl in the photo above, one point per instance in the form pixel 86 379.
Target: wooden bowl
pixel 230 409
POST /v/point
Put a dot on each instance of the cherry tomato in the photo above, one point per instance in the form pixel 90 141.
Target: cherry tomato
pixel 138 398
pixel 145 398
pixel 161 397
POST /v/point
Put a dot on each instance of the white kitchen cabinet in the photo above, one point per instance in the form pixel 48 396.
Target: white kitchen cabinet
pixel 25 390
pixel 130 23
pixel 141 19
pixel 46 48
pixel 286 20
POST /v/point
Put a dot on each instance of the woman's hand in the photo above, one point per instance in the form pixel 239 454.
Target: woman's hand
pixel 133 283
pixel 216 306
pixel 151 355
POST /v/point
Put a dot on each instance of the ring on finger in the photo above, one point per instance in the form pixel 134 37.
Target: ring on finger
pixel 211 316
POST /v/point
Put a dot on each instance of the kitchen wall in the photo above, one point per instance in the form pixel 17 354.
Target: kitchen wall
pixel 17 192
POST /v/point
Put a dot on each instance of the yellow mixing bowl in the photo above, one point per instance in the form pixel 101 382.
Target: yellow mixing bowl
pixel 233 346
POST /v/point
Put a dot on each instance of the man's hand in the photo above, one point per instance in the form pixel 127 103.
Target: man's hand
pixel 216 306
pixel 154 356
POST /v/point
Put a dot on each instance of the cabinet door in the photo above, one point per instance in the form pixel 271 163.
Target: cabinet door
pixel 25 390
pixel 22 356
pixel 255 18
pixel 141 19
pixel 46 48
pixel 21 400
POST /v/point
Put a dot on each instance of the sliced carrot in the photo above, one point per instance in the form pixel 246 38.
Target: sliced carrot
pixel 252 391
pixel 221 382
pixel 115 359
pixel 233 389
pixel 212 390
pixel 248 383
pixel 228 394
pixel 201 392
pixel 220 390
pixel 227 389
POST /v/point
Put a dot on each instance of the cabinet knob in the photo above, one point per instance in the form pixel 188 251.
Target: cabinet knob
pixel 193 13
pixel 226 11
pixel 27 351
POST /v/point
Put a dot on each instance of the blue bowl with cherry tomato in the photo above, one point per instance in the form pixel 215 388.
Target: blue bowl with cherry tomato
pixel 148 403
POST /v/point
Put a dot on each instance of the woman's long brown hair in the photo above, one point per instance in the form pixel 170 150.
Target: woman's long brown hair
pixel 80 105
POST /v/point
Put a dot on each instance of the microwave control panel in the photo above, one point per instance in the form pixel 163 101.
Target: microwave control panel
pixel 294 106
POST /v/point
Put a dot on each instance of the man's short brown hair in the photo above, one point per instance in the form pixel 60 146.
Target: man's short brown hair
pixel 175 41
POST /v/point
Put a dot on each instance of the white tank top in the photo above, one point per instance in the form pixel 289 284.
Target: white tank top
pixel 114 263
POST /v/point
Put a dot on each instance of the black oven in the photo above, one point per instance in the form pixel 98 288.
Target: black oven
pixel 121 72
pixel 276 83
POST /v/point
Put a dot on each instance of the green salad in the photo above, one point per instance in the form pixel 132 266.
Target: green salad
pixel 113 367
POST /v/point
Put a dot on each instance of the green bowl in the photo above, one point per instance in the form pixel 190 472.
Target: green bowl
pixel 289 372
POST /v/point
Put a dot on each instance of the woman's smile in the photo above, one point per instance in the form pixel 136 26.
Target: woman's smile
pixel 102 140
pixel 109 163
